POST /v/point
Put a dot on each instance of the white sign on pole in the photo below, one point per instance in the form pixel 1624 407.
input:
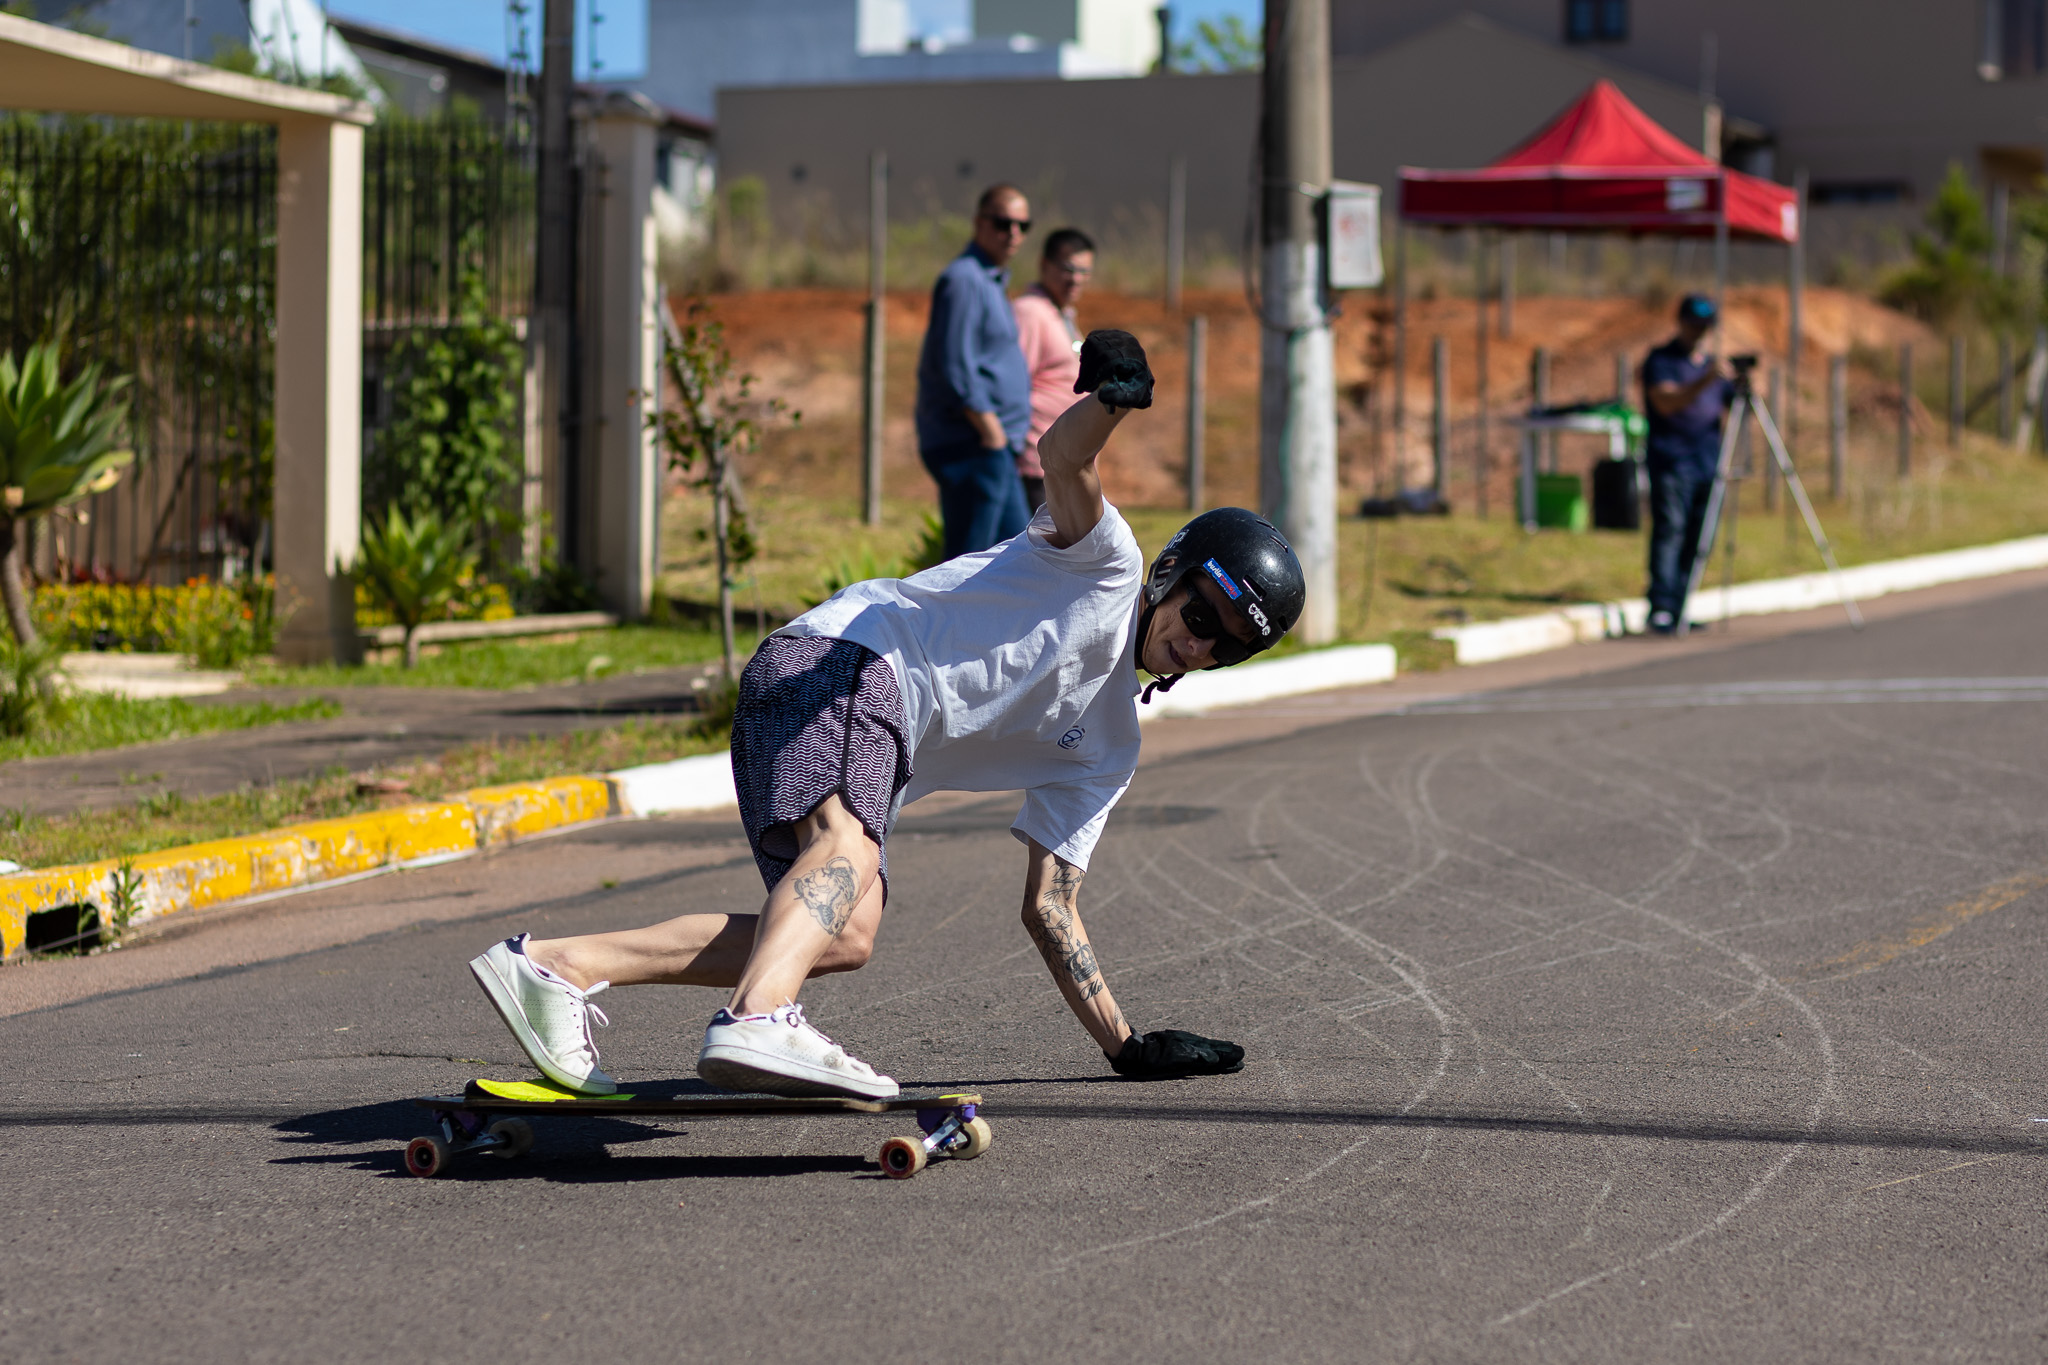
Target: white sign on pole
pixel 1351 235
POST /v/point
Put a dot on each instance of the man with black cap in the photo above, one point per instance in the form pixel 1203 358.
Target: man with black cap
pixel 1013 668
pixel 1686 393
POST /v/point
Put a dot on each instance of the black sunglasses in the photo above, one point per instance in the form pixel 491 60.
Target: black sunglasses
pixel 1204 622
pixel 1002 224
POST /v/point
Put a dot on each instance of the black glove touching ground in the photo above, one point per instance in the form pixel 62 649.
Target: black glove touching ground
pixel 1170 1053
pixel 1113 368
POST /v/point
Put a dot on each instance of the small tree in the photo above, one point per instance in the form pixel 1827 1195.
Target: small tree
pixel 1951 276
pixel 57 445
pixel 1225 46
pixel 414 567
pixel 449 446
pixel 704 430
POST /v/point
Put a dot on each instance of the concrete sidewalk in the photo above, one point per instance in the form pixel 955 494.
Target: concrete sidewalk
pixel 379 725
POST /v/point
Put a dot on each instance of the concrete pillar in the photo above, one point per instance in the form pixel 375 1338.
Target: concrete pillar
pixel 318 510
pixel 621 506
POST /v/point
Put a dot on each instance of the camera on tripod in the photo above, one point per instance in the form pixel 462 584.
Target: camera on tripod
pixel 1743 364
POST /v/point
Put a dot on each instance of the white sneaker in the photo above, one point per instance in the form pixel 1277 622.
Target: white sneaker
pixel 780 1053
pixel 549 1017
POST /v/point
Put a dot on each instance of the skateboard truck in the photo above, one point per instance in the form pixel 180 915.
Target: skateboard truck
pixel 953 1131
pixel 464 1131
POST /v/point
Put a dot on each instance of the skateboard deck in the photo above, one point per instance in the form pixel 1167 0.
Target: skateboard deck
pixel 490 1117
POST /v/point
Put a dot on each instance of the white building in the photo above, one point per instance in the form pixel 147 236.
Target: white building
pixel 291 39
pixel 695 47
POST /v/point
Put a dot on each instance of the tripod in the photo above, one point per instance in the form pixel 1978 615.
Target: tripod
pixel 1745 403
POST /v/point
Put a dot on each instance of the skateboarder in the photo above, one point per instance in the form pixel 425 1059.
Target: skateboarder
pixel 1013 667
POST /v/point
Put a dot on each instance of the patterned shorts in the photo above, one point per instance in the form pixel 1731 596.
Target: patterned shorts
pixel 815 717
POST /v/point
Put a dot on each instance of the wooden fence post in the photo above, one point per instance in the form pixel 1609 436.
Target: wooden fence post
pixel 1838 424
pixel 1198 394
pixel 1905 409
pixel 1439 414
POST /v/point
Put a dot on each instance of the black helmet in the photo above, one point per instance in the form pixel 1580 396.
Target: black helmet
pixel 1248 559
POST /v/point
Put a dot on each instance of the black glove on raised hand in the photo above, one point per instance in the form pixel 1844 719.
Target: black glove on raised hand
pixel 1113 368
pixel 1171 1053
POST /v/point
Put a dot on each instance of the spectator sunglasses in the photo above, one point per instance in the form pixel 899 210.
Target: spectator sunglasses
pixel 1003 224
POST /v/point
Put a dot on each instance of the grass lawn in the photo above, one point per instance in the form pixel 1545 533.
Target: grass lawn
pixel 523 662
pixel 94 720
pixel 1404 578
pixel 169 820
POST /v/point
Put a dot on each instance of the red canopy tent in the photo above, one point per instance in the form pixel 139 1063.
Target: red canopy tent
pixel 1603 165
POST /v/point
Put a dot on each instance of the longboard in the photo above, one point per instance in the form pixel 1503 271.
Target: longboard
pixel 489 1117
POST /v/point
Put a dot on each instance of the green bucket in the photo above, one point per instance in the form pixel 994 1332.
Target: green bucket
pixel 1561 501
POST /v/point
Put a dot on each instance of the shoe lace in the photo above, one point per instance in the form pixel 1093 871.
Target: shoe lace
pixel 585 1012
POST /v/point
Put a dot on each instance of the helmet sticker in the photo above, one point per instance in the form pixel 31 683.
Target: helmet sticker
pixel 1257 615
pixel 1223 580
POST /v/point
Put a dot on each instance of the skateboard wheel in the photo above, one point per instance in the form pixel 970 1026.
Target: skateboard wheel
pixel 516 1134
pixel 426 1156
pixel 978 1139
pixel 902 1157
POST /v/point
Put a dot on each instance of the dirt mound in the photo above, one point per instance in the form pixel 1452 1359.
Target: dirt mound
pixel 805 347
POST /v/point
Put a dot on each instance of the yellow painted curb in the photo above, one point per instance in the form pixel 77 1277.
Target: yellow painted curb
pixel 520 810
pixel 222 870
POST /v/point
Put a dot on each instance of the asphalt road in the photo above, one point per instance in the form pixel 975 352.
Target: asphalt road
pixel 1686 1012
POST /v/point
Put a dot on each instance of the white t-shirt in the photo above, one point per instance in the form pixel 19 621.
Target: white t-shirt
pixel 1016 670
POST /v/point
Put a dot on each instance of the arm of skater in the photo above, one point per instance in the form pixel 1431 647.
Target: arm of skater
pixel 1052 890
pixel 1112 366
pixel 1052 916
pixel 1067 452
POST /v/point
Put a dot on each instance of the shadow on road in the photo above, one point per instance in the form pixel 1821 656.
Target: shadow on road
pixel 1668 1130
pixel 395 1120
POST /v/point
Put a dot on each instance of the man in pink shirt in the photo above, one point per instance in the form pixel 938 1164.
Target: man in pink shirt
pixel 1051 343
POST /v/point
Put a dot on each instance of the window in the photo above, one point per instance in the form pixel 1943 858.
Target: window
pixel 1596 21
pixel 1859 192
pixel 2012 39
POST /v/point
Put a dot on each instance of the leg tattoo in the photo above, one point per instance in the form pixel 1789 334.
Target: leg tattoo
pixel 829 893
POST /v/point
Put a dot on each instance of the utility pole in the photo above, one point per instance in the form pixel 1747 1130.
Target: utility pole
pixel 877 338
pixel 1297 380
pixel 554 277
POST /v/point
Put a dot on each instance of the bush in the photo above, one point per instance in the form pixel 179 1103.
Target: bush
pixel 218 624
pixel 415 568
pixel 28 698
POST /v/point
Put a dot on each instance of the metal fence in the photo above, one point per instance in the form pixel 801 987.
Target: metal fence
pixel 448 212
pixel 150 247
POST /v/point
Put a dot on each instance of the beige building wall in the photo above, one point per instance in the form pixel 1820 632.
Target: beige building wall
pixel 1097 153
pixel 1856 91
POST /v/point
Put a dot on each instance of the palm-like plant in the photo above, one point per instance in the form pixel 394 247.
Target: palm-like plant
pixel 58 443
pixel 414 567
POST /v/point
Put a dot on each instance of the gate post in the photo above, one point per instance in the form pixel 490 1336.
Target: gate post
pixel 621 363
pixel 318 418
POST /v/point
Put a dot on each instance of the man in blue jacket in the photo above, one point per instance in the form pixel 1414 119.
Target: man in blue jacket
pixel 973 386
pixel 1686 394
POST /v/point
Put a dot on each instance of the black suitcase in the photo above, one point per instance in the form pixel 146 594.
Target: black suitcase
pixel 1617 501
